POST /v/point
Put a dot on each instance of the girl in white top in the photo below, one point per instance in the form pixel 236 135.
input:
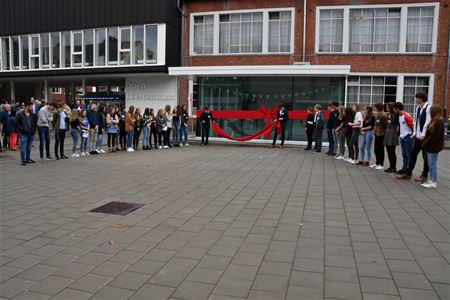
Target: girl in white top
pixel 168 118
pixel 356 125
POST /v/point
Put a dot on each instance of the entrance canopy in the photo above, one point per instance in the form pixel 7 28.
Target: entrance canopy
pixel 265 70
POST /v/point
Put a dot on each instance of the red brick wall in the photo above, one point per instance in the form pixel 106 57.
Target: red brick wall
pixel 359 63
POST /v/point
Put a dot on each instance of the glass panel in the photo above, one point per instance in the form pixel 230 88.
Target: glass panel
pixel 16 52
pixel 55 50
pixel 125 46
pixel 66 49
pixel 34 59
pixel 100 44
pixel 419 37
pixel 77 49
pixel 88 48
pixel 112 46
pixel 240 33
pixel 138 39
pixel 5 54
pixel 45 50
pixel 25 52
pixel 331 26
pixel 151 44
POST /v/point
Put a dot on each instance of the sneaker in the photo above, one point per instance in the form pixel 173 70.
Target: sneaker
pixel 379 168
pixel 187 145
pixel 77 155
pixel 354 162
pixel 87 153
pixel 373 166
pixel 102 151
pixel 181 144
pixel 166 147
pixel 349 160
pixel 160 147
pixel 30 161
pixel 24 163
pixel 130 150
pixel 83 153
pixel 49 158
pixel 74 155
pixel 429 184
pixel 390 170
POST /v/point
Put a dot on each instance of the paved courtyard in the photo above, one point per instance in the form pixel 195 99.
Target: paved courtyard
pixel 221 222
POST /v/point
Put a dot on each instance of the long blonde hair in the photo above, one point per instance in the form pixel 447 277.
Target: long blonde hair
pixel 436 115
pixel 73 115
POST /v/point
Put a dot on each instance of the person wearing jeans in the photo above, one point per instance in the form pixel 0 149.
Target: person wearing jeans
pixel 93 117
pixel 74 131
pixel 168 119
pixel 331 129
pixel 129 128
pixel 184 118
pixel 45 117
pixel 367 136
pixel 176 127
pixel 60 130
pixel 101 129
pixel 26 128
pixel 84 126
pixel 406 126
pixel 379 131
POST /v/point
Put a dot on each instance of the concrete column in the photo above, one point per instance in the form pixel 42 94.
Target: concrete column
pixel 72 92
pixel 13 91
pixel 83 86
pixel 46 91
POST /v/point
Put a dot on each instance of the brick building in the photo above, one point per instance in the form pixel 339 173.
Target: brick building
pixel 239 54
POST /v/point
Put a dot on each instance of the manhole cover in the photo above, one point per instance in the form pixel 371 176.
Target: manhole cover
pixel 117 208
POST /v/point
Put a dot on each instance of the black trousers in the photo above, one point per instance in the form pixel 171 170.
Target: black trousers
pixel 123 139
pixel 318 139
pixel 168 136
pixel 205 134
pixel 60 136
pixel 310 134
pixel 379 150
pixel 353 146
pixel 112 137
pixel 137 134
pixel 392 157
pixel 417 147
pixel 153 134
pixel 283 134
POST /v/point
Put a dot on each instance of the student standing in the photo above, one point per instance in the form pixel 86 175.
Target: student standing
pixel 309 128
pixel 176 127
pixel 153 132
pixel 137 128
pixel 391 137
pixel 45 117
pixel 85 127
pixel 406 129
pixel 422 119
pixel 206 118
pixel 112 124
pixel 75 130
pixel 319 123
pixel 433 143
pixel 168 120
pixel 341 130
pixel 367 136
pixel 184 126
pixel 101 129
pixel 356 130
pixel 146 121
pixel 331 128
pixel 60 130
pixel 129 128
pixel 160 128
pixel 380 131
pixel 12 131
pixel 92 115
pixel 122 132
pixel 25 128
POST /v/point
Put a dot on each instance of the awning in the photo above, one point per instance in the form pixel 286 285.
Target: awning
pixel 264 70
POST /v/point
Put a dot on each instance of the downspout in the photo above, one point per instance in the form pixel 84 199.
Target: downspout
pixel 446 80
pixel 304 32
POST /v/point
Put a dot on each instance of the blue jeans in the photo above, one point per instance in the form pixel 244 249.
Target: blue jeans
pixel 25 146
pixel 184 132
pixel 432 164
pixel 130 136
pixel 366 145
pixel 83 145
pixel 176 131
pixel 99 142
pixel 146 137
pixel 74 133
pixel 330 141
pixel 44 138
pixel 406 144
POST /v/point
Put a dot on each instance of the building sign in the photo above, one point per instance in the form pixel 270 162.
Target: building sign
pixel 153 92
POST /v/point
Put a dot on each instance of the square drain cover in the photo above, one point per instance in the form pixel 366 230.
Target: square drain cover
pixel 117 208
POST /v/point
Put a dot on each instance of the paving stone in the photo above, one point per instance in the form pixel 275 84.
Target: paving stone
pixel 415 294
pixel 275 268
pixel 233 288
pixel 146 267
pixel 271 283
pixel 378 286
pixel 264 295
pixel 130 280
pixel 51 285
pixel 307 279
pixel 110 292
pixel 28 295
pixel 406 266
pixel 26 261
pixel 38 272
pixel 308 265
pixel 193 290
pixel 205 275
pixel 60 260
pixel 301 292
pixel 8 272
pixel 14 286
pixel 373 270
pixel 342 290
pixel 91 283
pixel 67 294
pixel 341 274
pixel 413 281
pixel 74 270
pixel 111 269
pixel 157 292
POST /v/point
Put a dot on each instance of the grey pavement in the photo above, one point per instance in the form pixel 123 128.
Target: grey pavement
pixel 221 222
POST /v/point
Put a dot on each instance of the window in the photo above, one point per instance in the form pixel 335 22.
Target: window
pixel 368 90
pixel 77 49
pixel 34 52
pixel 45 50
pixel 138 49
pixel 56 50
pixel 88 48
pixel 125 46
pixel 280 31
pixel 203 34
pixel 66 49
pixel 419 36
pixel 374 30
pixel 113 46
pixel 16 52
pixel 390 28
pixel 5 54
pixel 241 33
pixel 100 47
pixel 331 30
pixel 411 86
pixel 151 44
pixel 56 90
pixel 25 55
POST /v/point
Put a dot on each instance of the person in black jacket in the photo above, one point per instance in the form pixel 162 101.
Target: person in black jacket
pixel 205 119
pixel 26 129
pixel 94 121
pixel 309 127
pixel 331 127
pixel 319 122
pixel 283 117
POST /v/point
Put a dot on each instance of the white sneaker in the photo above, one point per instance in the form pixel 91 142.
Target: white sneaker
pixel 354 162
pixel 373 166
pixel 102 151
pixel 83 153
pixel 166 147
pixel 429 184
pixel 74 155
pixel 187 145
pixel 87 153
pixel 160 147
pixel 339 157
pixel 98 151
pixel 349 160
pixel 181 144
pixel 130 150
pixel 379 168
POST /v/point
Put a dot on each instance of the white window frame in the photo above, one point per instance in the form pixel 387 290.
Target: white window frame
pixel 107 47
pixel 30 51
pixel 403 27
pixel 83 47
pixel 400 82
pixel 72 48
pixel 203 24
pixel 41 46
pixel 21 58
pixel 51 49
pixel 265 31
pixel 125 50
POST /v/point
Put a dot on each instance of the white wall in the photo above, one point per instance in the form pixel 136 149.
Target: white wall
pixel 153 92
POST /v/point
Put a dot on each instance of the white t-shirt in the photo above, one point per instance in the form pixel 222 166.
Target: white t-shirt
pixel 358 118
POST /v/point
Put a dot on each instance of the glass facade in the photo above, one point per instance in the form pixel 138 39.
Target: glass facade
pixel 115 46
pixel 249 93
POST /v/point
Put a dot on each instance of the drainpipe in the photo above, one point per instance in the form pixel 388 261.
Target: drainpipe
pixel 304 32
pixel 446 79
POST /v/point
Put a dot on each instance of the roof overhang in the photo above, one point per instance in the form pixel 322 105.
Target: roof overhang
pixel 262 70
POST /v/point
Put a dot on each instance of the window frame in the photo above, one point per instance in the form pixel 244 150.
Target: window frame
pixel 265 31
pixel 125 50
pixel 74 53
pixel 403 27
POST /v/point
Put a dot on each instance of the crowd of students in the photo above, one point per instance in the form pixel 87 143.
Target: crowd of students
pixel 356 130
pixel 346 127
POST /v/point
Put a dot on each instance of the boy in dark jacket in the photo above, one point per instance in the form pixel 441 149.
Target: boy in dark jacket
pixel 283 117
pixel 319 122
pixel 205 119
pixel 26 128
